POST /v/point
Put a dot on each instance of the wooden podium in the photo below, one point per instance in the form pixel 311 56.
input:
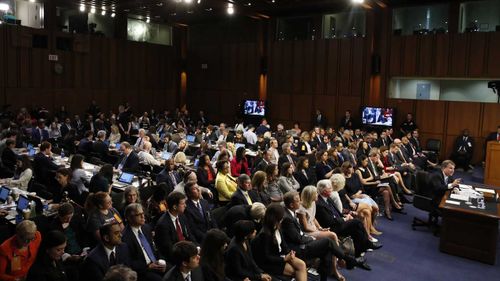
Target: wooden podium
pixel 492 167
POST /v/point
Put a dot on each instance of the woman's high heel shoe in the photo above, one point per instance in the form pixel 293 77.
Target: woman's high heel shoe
pixel 388 216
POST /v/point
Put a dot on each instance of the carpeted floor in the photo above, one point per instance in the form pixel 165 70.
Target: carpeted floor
pixel 415 255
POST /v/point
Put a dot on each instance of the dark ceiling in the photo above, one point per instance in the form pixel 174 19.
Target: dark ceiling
pixel 178 11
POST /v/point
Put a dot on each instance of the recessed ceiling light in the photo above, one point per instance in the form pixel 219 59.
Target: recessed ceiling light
pixel 82 8
pixel 92 10
pixel 173 14
pixel 159 4
pixel 358 1
pixel 208 9
pixel 112 15
pixel 248 4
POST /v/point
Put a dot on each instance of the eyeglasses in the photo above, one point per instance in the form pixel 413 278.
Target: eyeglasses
pixel 139 215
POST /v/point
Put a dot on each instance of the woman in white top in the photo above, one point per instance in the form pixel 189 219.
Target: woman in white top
pixel 25 173
pixel 79 178
pixel 307 215
pixel 55 130
pixel 286 181
pixel 114 136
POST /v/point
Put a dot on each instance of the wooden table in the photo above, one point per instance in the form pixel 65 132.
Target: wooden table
pixel 470 233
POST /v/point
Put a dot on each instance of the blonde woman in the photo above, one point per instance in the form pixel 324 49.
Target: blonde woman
pixel 114 136
pixel 362 211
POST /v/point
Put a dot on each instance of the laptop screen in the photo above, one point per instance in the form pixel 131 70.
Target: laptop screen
pixel 4 193
pixel 190 138
pixel 238 145
pixel 117 146
pixel 31 152
pixel 23 203
pixel 126 178
pixel 165 155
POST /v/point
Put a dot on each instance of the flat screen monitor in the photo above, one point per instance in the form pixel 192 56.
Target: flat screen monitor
pixel 377 116
pixel 126 178
pixel 254 108
pixel 4 193
pixel 23 203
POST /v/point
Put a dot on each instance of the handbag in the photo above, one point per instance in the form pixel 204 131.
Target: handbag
pixel 347 245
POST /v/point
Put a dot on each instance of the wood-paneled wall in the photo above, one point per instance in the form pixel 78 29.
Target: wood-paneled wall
pixel 322 74
pixel 109 71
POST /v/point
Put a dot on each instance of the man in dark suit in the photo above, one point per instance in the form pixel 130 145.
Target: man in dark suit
pixel 328 216
pixel 442 181
pixel 286 156
pixel 306 246
pixel 129 161
pixel 89 124
pixel 43 166
pixel 138 237
pixel 65 127
pixel 40 133
pixel 169 176
pixel 349 154
pixel 111 251
pixel 319 119
pixel 172 226
pixel 78 125
pixel 86 143
pixel 197 213
pixel 462 151
pixel 100 147
pixel 186 263
pixel 9 159
pixel 347 122
pixel 264 162
pixel 244 195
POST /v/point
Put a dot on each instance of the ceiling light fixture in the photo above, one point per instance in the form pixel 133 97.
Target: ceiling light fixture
pixel 358 1
pixel 248 4
pixel 92 10
pixel 4 7
pixel 82 8
pixel 188 1
pixel 148 19
pixel 113 15
pixel 230 8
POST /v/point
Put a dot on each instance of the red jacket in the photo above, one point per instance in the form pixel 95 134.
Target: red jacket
pixel 9 250
pixel 237 167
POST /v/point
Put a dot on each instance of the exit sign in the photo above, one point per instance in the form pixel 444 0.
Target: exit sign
pixel 53 58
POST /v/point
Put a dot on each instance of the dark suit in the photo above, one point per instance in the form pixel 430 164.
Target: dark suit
pixel 347 123
pixel 438 186
pixel 238 198
pixel 267 254
pixel 96 264
pixel 199 223
pixel 9 159
pixel 320 121
pixel 137 259
pixel 234 214
pixel 85 146
pixel 130 164
pixel 36 137
pixel 240 264
pixel 462 151
pixel 284 159
pixel 65 129
pixel 164 177
pixel 100 148
pixel 174 274
pixel 303 179
pixel 166 235
pixel 328 216
pixel 44 168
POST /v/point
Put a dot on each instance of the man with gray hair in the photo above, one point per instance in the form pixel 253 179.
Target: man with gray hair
pixel 286 156
pixel 328 215
pixel 120 273
pixel 100 147
pixel 139 144
pixel 138 237
pixel 145 156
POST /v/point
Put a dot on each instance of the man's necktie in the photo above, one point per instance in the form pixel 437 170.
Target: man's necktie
pixel 147 247
pixel 188 277
pixel 174 181
pixel 178 229
pixel 249 201
pixel 112 258
pixel 200 209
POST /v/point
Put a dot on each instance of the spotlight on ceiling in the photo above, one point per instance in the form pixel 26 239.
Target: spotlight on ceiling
pixel 82 8
pixel 113 15
pixel 358 1
pixel 148 19
pixel 230 8
pixel 92 10
pixel 188 1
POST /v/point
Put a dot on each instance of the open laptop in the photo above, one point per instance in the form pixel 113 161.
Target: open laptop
pixel 165 155
pixel 238 145
pixel 23 203
pixel 126 178
pixel 191 138
pixel 4 194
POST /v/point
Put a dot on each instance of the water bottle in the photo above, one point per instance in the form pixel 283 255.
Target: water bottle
pixel 62 153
